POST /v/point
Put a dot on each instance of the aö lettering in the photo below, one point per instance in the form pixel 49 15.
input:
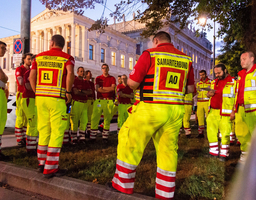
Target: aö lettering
pixel 173 79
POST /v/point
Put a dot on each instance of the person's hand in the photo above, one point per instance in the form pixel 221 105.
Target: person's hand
pixel 232 115
pixel 89 91
pixel 210 94
pixel 69 98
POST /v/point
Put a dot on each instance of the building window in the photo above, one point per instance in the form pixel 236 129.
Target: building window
pixel 102 55
pixel 113 58
pixel 186 52
pixel 196 59
pixel 130 63
pixel 69 48
pixel 90 52
pixel 138 49
pixel 4 64
pixel 193 58
pixel 182 49
pixel 122 60
pixel 178 47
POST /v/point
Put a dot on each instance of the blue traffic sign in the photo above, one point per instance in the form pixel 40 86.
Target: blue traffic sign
pixel 17 46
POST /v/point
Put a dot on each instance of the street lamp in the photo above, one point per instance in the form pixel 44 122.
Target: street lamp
pixel 202 21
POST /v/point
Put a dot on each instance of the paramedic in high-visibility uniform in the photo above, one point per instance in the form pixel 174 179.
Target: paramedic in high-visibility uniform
pixel 90 100
pixel 80 90
pixel 116 103
pixel 245 117
pixel 51 78
pixel 21 121
pixel 188 100
pixel 105 87
pixel 163 73
pixel 202 101
pixel 3 100
pixel 125 94
pixel 29 108
pixel 222 98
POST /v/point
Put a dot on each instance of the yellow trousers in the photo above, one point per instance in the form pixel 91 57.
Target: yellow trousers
pixel 29 108
pixel 52 120
pixel 89 109
pixel 216 122
pixel 99 106
pixel 78 112
pixel 3 111
pixel 186 118
pixel 202 110
pixel 114 110
pixel 21 120
pixel 162 123
pixel 122 114
pixel 244 126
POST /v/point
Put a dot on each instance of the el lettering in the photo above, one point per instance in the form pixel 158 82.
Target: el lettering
pixel 46 76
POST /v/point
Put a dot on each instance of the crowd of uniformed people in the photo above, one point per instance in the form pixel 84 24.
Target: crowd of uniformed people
pixel 154 102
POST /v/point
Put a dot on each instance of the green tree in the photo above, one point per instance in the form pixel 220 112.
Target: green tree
pixel 231 57
pixel 237 19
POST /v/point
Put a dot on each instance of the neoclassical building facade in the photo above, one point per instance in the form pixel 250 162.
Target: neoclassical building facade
pixel 120 46
pixel 89 48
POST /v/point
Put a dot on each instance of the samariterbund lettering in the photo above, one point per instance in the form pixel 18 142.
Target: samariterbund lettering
pixel 170 62
pixel 50 64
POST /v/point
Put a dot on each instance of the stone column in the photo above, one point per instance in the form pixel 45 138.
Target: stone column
pixel 54 31
pixel 46 40
pixel 77 40
pixel 37 42
pixel 84 43
pixel 7 58
pixel 73 39
pixel 63 28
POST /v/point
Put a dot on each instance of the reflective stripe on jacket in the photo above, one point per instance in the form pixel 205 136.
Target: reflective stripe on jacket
pixel 202 97
pixel 228 96
pixel 166 79
pixel 50 74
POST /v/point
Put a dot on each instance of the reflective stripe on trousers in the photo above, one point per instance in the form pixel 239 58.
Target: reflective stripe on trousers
pixel 41 154
pixel 165 184
pixel 66 137
pixel 31 143
pixel 52 160
pixel 224 150
pixel 214 148
pixel 124 177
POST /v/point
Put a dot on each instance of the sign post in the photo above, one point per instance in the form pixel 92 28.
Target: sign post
pixel 17 52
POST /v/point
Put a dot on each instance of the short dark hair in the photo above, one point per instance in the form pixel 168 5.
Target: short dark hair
pixel 202 71
pixel 105 64
pixel 58 40
pixel 3 43
pixel 79 68
pixel 24 56
pixel 33 56
pixel 162 35
pixel 87 71
pixel 119 76
pixel 220 65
